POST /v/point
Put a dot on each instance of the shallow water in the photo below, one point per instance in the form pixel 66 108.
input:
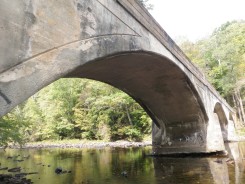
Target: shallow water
pixel 124 166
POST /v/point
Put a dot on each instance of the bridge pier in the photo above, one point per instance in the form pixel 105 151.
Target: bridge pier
pixel 192 141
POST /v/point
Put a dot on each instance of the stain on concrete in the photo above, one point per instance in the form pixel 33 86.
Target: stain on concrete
pixel 89 9
pixel 16 18
pixel 5 97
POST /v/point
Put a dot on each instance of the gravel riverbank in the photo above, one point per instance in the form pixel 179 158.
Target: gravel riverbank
pixel 83 144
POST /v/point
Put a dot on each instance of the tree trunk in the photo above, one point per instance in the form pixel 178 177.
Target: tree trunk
pixel 238 114
pixel 129 118
pixel 239 106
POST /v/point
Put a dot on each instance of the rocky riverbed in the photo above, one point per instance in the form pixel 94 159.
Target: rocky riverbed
pixel 83 144
pixel 13 179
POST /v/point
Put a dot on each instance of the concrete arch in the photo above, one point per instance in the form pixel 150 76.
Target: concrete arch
pixel 117 42
pixel 151 79
pixel 162 89
pixel 159 85
pixel 42 69
pixel 219 112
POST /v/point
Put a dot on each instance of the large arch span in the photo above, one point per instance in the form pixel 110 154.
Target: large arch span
pixel 116 42
pixel 162 89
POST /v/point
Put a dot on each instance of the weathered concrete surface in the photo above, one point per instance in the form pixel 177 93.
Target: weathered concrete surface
pixel 119 43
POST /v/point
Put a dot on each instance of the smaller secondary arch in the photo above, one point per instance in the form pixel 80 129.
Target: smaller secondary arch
pixel 219 111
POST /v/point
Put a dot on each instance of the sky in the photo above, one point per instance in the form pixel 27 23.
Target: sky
pixel 195 19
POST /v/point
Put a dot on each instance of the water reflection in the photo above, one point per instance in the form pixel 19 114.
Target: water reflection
pixel 236 170
pixel 107 165
pixel 182 170
pixel 204 170
pixel 87 166
pixel 219 170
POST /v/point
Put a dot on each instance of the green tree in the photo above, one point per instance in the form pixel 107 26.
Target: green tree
pixel 195 52
pixel 222 57
pixel 12 128
pixel 76 108
pixel 57 102
pixel 109 115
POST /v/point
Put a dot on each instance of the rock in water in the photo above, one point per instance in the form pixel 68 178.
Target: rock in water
pixel 124 173
pixel 3 168
pixel 58 170
pixel 16 169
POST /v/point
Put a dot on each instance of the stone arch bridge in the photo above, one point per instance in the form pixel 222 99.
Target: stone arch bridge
pixel 119 43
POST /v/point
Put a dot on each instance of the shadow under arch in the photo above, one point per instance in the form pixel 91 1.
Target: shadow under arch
pixel 160 87
pixel 219 111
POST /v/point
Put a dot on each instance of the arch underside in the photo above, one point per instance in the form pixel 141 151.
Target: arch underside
pixel 161 88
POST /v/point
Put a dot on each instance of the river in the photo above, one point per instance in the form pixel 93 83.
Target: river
pixel 124 166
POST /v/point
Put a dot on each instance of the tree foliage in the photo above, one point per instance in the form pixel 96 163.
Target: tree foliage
pixel 76 108
pixel 13 127
pixel 222 57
